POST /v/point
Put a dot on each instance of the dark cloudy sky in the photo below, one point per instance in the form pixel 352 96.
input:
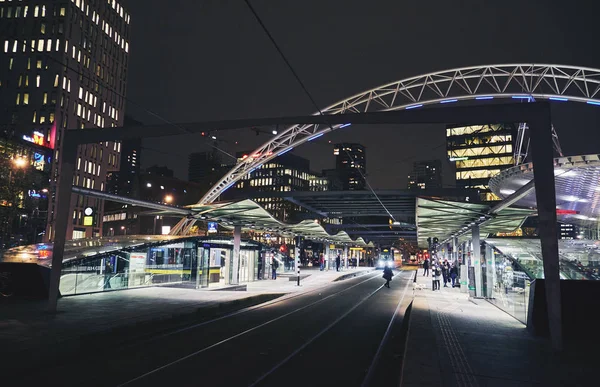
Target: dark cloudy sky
pixel 208 60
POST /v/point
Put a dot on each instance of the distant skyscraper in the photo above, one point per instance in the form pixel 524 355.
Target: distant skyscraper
pixel 426 175
pixel 351 165
pixel 124 182
pixel 206 168
pixel 480 152
pixel 64 66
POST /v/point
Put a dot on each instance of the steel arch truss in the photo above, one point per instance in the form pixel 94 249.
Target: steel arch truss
pixel 480 83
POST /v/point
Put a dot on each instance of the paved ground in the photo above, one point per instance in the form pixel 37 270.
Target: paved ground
pixel 328 337
pixel 454 341
pixel 27 330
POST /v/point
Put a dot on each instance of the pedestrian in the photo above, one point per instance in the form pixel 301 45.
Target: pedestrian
pixel 446 272
pixel 426 267
pixel 436 273
pixel 387 275
pixel 322 261
pixel 338 260
pixel 274 267
pixel 453 273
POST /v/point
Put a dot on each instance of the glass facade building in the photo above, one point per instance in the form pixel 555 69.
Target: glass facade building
pixel 479 153
pixel 63 66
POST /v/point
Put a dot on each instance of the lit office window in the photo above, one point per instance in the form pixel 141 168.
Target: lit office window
pixel 18 102
pixel 36 11
pixel 25 98
pixel 37 82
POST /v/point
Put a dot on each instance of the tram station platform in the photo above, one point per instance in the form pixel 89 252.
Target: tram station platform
pixel 454 340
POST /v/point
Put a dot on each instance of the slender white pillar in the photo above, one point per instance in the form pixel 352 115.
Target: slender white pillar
pixel 476 261
pixel 490 270
pixel 235 268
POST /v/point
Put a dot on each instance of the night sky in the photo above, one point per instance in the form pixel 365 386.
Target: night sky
pixel 195 61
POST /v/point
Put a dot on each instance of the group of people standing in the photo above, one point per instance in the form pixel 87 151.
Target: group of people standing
pixel 448 272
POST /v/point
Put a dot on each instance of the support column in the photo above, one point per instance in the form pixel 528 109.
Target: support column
pixel 490 270
pixel 464 269
pixel 455 250
pixel 297 259
pixel 346 258
pixel 542 149
pixel 327 254
pixel 63 204
pixel 235 268
pixel 476 259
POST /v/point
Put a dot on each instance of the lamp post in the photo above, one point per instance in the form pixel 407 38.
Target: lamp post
pixel 124 229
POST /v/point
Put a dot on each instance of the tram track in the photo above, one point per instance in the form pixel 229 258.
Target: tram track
pixel 232 337
pixel 259 341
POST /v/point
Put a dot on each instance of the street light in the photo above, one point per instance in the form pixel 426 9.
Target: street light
pixel 168 198
pixel 19 162
pixel 124 230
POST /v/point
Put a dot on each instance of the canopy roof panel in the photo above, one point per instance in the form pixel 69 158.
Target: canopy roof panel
pixel 442 219
pixel 252 216
pixel 577 181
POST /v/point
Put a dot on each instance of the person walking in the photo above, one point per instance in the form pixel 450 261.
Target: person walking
pixel 274 267
pixel 387 276
pixel 453 273
pixel 426 267
pixel 322 261
pixel 338 260
pixel 436 273
pixel 446 272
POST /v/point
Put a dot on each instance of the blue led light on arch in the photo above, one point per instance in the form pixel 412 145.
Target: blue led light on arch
pixel 449 101
pixel 414 106
pixel 315 136
pixel 284 152
pixel 558 99
pixel 594 103
pixel 486 97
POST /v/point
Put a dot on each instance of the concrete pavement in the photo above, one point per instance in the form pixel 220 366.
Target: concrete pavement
pixel 457 341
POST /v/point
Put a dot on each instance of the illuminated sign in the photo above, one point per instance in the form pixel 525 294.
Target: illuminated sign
pixel 458 158
pixel 166 230
pixel 37 138
pixel 88 219
pixel 566 212
pixel 34 194
pixel 212 227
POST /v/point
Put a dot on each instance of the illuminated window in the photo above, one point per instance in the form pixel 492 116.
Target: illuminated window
pixel 40 45
pixel 43 11
pixel 25 98
pixel 43 28
pixel 34 117
pixel 63 11
pixel 36 11
pixel 18 99
pixel 37 81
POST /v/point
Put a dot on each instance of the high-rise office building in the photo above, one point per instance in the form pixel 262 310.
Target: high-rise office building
pixel 64 66
pixel 124 182
pixel 286 173
pixel 351 165
pixel 206 168
pixel 480 152
pixel 426 175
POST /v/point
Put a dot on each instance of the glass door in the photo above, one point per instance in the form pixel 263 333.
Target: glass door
pixel 203 270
